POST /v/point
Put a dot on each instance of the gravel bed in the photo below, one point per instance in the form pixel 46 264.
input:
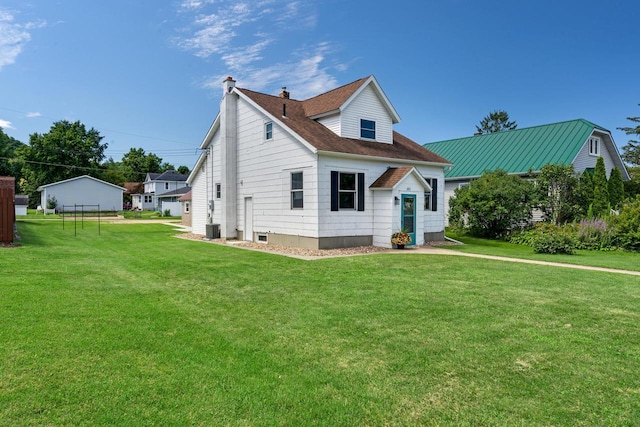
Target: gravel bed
pixel 301 252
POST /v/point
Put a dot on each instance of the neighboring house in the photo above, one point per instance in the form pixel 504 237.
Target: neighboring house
pixel 170 201
pixel 131 189
pixel 325 172
pixel 22 202
pixel 84 190
pixel 525 151
pixel 156 184
pixel 185 200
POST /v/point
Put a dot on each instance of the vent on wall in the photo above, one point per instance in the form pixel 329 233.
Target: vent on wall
pixel 262 238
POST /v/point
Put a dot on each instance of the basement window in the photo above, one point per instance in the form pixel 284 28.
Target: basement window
pixel 262 238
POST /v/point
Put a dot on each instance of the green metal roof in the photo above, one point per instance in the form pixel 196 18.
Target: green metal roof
pixel 516 151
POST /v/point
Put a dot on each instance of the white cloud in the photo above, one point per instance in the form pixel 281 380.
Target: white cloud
pixel 13 37
pixel 247 37
pixel 34 114
pixel 5 124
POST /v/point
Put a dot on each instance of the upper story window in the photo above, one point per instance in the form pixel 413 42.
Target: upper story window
pixel 268 131
pixel 594 146
pixel 297 193
pixel 166 185
pixel 367 129
pixel 218 191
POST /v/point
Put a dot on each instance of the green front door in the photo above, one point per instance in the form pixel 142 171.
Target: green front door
pixel 408 214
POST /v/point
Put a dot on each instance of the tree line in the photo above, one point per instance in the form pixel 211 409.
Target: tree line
pixel 69 150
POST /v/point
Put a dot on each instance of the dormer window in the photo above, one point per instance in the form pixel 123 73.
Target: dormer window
pixel 268 131
pixel 367 129
pixel 594 146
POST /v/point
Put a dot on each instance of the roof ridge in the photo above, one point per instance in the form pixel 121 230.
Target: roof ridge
pixel 338 88
pixel 487 135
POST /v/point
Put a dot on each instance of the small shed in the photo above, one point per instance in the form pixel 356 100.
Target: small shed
pixel 22 201
pixel 7 209
pixel 83 190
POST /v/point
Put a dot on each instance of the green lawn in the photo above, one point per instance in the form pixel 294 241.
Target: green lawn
pixel 133 327
pixel 607 259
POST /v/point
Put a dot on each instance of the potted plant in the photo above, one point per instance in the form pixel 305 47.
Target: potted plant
pixel 400 239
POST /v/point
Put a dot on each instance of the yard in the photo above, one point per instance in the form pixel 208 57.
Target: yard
pixel 135 327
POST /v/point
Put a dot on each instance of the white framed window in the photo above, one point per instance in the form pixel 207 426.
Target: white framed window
pixel 367 129
pixel 187 206
pixel 297 190
pixel 166 185
pixel 268 131
pixel 594 146
pixel 218 190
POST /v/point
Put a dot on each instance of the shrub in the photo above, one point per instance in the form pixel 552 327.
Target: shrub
pixel 559 242
pixel 492 205
pixel 52 202
pixel 627 225
pixel 595 234
pixel 167 212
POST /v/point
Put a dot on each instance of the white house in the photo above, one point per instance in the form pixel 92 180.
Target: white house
pixel 156 184
pixel 86 191
pixel 325 172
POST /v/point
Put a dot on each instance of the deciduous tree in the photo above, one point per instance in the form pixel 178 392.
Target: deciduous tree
pixel 557 193
pixel 66 151
pixel 493 204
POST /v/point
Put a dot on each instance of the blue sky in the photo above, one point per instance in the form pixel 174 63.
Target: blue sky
pixel 148 73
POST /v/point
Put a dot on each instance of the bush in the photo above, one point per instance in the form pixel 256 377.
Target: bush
pixel 52 202
pixel 559 242
pixel 492 205
pixel 167 212
pixel 627 225
pixel 595 234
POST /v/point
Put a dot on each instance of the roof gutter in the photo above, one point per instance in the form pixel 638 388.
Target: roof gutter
pixel 385 159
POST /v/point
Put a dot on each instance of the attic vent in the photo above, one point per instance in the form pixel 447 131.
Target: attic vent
pixel 284 94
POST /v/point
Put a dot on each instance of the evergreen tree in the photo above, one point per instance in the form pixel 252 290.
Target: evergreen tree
pixel 557 193
pixel 585 191
pixel 497 121
pixel 600 205
pixel 616 188
pixel 631 151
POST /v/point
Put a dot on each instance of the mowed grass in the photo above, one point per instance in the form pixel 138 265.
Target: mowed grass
pixel 134 327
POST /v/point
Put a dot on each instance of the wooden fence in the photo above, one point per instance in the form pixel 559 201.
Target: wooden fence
pixel 7 209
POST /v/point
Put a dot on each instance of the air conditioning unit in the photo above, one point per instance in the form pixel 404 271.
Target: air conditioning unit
pixel 212 231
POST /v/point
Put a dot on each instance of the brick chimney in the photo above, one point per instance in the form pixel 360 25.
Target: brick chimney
pixel 284 94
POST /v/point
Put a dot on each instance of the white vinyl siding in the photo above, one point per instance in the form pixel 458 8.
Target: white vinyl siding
pixel 84 191
pixel 264 173
pixel 331 122
pixel 367 106
pixel 585 160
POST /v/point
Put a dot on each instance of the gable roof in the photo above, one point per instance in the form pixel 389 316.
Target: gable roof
pixel 176 192
pixel 393 176
pixel 169 175
pixel 185 197
pixel 322 139
pixel 42 187
pixel 516 151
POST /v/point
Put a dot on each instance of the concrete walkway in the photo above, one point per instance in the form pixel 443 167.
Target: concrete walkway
pixel 442 251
